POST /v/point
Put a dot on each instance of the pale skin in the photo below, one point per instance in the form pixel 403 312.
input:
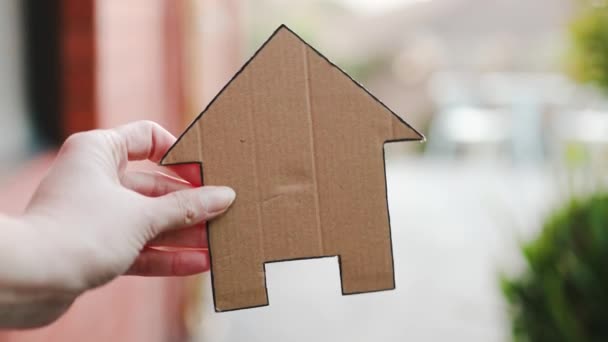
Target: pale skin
pixel 91 220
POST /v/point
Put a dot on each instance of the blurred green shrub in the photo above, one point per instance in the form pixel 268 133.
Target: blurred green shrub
pixel 563 294
pixel 588 61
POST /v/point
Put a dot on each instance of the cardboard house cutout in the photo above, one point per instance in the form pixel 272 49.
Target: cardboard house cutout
pixel 302 145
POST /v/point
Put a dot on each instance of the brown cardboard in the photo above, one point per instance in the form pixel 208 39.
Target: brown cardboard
pixel 302 145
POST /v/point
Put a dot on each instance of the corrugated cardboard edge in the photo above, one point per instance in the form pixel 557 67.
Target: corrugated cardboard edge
pixel 421 138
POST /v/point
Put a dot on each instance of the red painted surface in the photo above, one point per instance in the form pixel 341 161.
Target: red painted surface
pixel 138 63
pixel 78 65
pixel 126 64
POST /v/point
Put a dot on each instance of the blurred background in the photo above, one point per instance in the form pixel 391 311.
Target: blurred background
pixel 498 219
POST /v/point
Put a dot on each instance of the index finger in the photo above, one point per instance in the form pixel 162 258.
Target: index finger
pixel 143 140
pixel 147 140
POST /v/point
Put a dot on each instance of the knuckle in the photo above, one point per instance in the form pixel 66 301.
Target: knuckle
pixel 184 207
pixel 146 125
pixel 112 139
pixel 74 140
pixel 82 141
pixel 153 229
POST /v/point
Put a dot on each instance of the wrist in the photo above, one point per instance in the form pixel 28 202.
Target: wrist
pixel 32 291
pixel 27 308
pixel 48 261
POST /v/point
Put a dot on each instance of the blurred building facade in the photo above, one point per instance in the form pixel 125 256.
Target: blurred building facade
pixel 482 79
pixel 73 65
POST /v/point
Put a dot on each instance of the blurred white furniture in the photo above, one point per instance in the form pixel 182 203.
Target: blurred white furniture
pixel 495 114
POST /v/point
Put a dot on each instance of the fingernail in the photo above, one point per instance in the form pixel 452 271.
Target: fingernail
pixel 217 198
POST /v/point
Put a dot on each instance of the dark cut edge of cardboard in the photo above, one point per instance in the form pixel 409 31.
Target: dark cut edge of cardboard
pixel 240 70
pixel 307 258
pixel 208 224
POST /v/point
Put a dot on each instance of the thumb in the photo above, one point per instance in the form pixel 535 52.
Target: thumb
pixel 188 207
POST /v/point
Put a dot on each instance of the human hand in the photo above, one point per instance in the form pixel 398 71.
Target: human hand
pixel 98 220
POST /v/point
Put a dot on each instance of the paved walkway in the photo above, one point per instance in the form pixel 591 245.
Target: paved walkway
pixel 455 227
